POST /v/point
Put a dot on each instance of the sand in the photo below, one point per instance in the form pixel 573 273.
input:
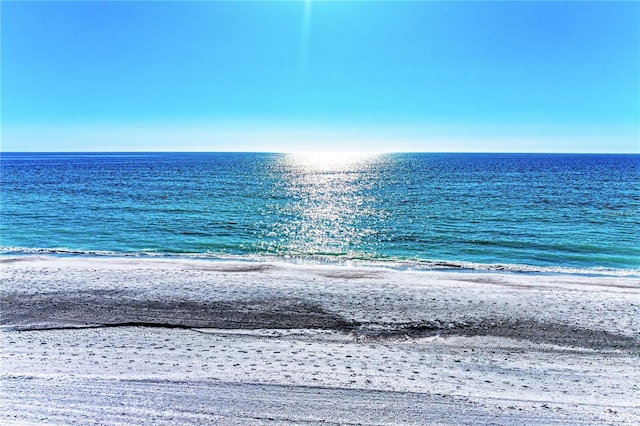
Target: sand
pixel 130 341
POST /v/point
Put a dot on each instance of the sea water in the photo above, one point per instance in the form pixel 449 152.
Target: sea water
pixel 517 212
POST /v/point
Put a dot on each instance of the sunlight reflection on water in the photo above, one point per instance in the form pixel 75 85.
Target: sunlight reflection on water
pixel 329 202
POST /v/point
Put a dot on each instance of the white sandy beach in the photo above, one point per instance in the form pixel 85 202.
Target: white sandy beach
pixel 156 341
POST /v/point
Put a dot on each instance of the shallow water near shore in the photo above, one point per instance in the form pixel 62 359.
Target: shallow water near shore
pixel 507 212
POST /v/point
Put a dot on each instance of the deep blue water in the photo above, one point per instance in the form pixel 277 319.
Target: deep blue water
pixel 521 212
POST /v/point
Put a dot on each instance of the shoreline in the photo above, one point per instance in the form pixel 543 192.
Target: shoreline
pixel 556 349
pixel 11 254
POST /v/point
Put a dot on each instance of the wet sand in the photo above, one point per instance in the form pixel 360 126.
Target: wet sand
pixel 117 340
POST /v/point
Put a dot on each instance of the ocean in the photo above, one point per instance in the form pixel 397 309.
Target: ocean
pixel 540 213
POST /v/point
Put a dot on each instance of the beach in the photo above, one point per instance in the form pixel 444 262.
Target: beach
pixel 104 340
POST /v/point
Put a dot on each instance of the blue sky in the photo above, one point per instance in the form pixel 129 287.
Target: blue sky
pixel 321 76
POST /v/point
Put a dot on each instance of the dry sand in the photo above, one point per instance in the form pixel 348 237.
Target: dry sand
pixel 131 341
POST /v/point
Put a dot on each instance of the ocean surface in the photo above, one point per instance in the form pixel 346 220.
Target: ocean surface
pixel 515 212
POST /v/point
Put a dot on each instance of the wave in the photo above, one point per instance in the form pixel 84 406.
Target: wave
pixel 344 260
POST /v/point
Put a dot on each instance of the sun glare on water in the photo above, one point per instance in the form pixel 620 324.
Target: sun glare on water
pixel 321 160
pixel 328 201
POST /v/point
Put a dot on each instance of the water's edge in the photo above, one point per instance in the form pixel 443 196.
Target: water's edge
pixel 10 254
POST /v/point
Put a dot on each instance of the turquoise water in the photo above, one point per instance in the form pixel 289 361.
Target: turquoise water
pixel 519 212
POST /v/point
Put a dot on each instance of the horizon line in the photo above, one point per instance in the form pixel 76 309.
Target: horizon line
pixel 325 152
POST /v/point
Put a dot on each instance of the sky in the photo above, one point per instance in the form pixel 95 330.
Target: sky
pixel 289 76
